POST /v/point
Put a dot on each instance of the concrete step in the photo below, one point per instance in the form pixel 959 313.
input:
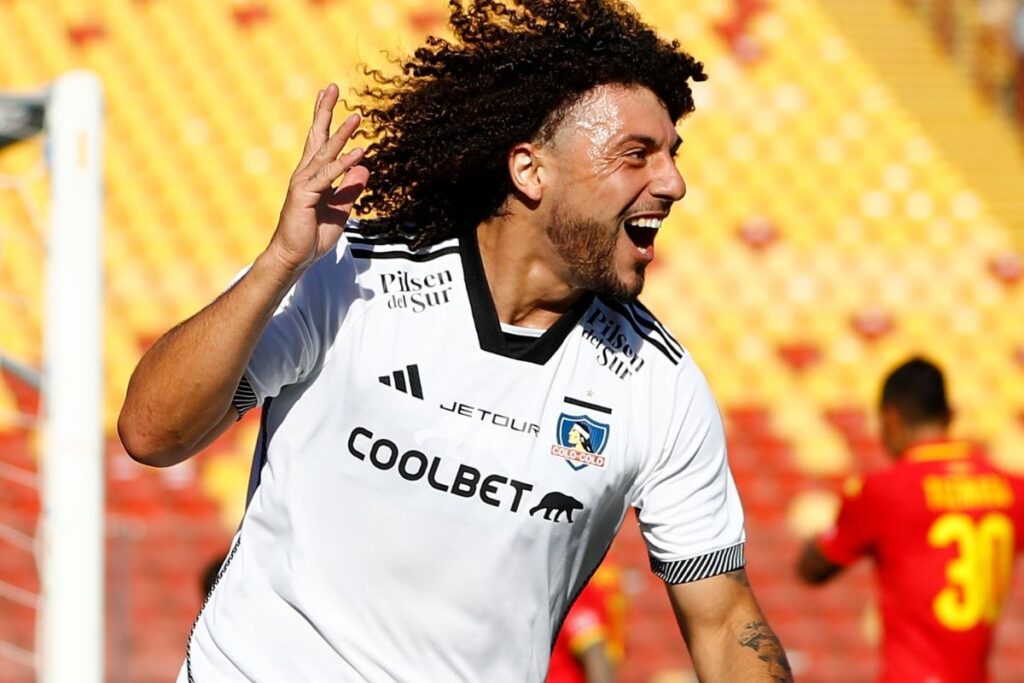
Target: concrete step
pixel 979 140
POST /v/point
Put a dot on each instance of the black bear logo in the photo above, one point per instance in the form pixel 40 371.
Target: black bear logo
pixel 558 503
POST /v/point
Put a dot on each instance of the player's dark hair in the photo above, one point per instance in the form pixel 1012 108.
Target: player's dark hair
pixel 917 390
pixel 444 125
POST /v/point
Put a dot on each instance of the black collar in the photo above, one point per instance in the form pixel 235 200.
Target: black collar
pixel 485 317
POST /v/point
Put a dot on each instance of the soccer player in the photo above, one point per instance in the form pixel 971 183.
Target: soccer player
pixel 417 511
pixel 942 525
pixel 590 644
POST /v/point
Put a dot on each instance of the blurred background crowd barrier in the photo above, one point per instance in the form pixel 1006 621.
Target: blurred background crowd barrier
pixel 856 194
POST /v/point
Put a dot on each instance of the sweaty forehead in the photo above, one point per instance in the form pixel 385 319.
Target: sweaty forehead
pixel 611 112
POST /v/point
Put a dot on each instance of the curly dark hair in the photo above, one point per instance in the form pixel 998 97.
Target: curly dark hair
pixel 443 127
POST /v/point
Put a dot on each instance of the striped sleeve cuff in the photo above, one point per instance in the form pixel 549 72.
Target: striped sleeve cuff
pixel 702 567
pixel 244 399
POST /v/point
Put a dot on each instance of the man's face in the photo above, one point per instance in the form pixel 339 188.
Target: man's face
pixel 611 181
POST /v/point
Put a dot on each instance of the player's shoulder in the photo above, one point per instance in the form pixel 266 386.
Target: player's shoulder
pixel 896 486
pixel 893 475
pixel 371 259
pixel 872 483
pixel 631 334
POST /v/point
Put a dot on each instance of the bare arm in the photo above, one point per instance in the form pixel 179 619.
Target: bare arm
pixel 728 636
pixel 597 667
pixel 813 567
pixel 179 396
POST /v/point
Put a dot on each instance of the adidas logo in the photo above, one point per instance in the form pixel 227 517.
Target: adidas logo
pixel 407 381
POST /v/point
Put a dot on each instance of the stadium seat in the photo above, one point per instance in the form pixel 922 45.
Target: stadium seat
pixel 823 239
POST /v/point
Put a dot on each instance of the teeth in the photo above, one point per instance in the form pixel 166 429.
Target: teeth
pixel 651 223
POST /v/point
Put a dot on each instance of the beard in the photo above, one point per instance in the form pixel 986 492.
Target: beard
pixel 587 247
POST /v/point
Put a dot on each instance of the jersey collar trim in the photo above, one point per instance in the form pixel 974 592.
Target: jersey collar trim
pixel 485 317
pixel 938 450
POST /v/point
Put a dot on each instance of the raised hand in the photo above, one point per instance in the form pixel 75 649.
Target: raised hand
pixel 315 210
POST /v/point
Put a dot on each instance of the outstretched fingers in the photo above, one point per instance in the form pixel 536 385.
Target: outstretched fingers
pixel 321 147
pixel 319 129
pixel 321 164
pixel 325 175
pixel 330 150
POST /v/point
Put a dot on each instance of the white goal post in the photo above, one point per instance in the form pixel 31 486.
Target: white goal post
pixel 71 620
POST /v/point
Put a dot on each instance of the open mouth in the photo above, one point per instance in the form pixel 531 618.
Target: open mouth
pixel 641 232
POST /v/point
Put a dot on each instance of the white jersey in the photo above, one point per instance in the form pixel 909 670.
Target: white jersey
pixel 430 493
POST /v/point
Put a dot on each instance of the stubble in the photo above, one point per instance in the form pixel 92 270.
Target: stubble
pixel 588 249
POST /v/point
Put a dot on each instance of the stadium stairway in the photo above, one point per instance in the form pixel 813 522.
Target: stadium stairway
pixel 981 141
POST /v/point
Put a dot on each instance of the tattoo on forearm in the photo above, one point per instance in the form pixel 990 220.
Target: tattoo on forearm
pixel 759 637
pixel 739 576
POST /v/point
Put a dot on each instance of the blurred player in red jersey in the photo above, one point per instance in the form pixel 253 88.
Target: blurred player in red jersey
pixel 591 642
pixel 943 526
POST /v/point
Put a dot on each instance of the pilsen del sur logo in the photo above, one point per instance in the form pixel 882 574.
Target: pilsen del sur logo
pixel 581 440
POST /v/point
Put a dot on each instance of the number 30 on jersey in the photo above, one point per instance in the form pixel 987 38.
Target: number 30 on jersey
pixel 978 578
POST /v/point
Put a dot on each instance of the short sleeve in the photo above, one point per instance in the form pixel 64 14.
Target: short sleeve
pixel 687 504
pixel 301 330
pixel 856 530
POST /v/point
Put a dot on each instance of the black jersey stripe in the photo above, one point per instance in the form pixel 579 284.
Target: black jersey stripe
pixel 244 399
pixel 378 230
pixel 378 236
pixel 701 567
pixel 632 312
pixel 377 240
pixel 261 454
pixel 650 327
pixel 671 355
pixel 399 242
pixel 418 256
pixel 583 404
pixel 645 315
